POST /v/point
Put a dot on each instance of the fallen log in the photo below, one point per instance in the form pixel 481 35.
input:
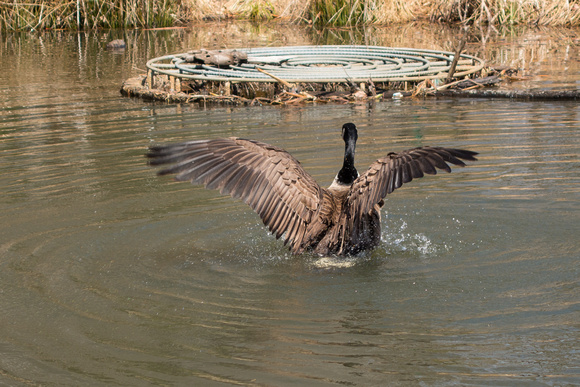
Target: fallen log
pixel 556 95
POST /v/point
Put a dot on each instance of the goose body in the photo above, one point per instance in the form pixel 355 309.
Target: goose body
pixel 343 219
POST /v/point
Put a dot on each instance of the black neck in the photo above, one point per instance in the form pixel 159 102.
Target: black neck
pixel 348 174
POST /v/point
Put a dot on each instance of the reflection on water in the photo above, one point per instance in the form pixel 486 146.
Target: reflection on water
pixel 110 275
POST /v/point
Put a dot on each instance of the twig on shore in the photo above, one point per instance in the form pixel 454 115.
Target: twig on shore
pixel 292 87
pixel 460 47
pixel 279 80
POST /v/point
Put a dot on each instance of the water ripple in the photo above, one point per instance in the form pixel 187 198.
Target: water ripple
pixel 129 276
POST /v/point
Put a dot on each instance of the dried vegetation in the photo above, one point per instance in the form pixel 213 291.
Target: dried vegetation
pixel 79 14
pixel 507 12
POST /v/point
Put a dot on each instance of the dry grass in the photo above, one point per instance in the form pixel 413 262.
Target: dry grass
pixel 77 14
pixel 319 12
pixel 507 12
pixel 365 12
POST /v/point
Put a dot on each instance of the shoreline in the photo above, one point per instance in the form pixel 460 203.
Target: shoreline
pixel 36 15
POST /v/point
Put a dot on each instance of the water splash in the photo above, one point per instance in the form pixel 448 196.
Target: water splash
pixel 398 240
pixel 335 262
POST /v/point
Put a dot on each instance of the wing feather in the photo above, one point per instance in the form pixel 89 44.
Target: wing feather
pixel 293 228
pixel 391 172
pixel 267 178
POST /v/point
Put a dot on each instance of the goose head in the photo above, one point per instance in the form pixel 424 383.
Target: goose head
pixel 349 132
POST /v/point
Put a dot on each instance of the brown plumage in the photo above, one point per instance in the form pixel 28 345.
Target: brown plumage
pixel 342 219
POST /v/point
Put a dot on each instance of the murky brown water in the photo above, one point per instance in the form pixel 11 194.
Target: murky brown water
pixel 110 275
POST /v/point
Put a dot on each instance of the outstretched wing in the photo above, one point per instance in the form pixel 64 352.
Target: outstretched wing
pixel 389 173
pixel 265 177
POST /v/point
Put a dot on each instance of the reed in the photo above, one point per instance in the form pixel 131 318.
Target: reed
pixel 256 10
pixel 342 12
pixel 85 14
pixel 79 14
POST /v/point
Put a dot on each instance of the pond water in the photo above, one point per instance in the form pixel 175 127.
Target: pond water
pixel 111 275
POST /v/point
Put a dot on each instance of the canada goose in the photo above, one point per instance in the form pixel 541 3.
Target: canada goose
pixel 343 219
